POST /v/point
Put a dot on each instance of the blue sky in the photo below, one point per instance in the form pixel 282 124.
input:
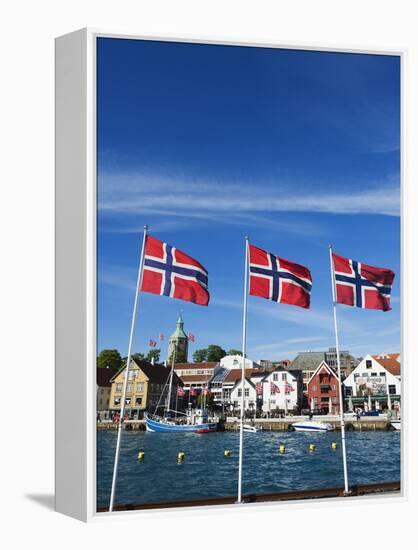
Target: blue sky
pixel 207 144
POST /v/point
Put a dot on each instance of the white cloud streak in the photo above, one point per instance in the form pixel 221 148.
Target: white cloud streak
pixel 137 193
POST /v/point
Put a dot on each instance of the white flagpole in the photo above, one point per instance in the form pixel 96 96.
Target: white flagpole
pixel 244 352
pixel 337 349
pixel 128 362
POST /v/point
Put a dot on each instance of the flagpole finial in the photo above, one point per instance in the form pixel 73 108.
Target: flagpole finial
pixel 330 246
pixel 145 227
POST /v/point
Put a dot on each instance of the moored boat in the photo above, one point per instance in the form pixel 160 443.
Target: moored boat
pixel 312 426
pixel 193 423
pixel 249 428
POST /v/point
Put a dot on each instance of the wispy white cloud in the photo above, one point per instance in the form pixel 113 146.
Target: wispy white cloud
pixel 136 193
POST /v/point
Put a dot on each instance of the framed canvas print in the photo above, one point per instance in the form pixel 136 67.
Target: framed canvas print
pixel 228 223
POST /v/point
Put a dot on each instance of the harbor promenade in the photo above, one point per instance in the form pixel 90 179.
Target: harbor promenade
pixel 364 423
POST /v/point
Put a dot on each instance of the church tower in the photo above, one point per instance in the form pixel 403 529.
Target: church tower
pixel 179 342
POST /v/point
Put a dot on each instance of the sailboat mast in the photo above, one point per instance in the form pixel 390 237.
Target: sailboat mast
pixel 170 384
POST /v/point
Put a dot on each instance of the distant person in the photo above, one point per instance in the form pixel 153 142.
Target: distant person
pixel 310 415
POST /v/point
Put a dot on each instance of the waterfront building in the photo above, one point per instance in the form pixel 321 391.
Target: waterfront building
pixel 308 361
pixel 268 364
pixel 249 395
pixel 375 384
pixel 103 387
pixel 179 343
pixel 230 362
pixel 147 386
pixel 195 375
pixel 281 390
pixel 225 380
pixel 323 391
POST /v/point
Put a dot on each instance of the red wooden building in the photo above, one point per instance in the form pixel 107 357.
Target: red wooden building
pixel 322 390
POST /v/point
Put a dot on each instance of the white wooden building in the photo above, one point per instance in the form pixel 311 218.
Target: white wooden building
pixel 281 391
pixel 375 383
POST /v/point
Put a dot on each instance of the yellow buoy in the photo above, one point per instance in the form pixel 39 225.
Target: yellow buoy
pixel 180 456
pixel 333 445
pixel 227 452
pixel 141 455
pixel 312 447
pixel 282 449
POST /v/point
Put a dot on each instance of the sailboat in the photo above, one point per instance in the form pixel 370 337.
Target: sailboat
pixel 173 421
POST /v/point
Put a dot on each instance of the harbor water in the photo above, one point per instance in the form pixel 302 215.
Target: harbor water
pixel 373 457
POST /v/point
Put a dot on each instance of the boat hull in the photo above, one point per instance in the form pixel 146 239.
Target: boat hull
pixel 396 424
pixel 157 426
pixel 312 427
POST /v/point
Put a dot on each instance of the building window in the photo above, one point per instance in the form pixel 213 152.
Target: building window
pixel 138 400
pixel 368 363
pixel 247 392
pixel 116 401
pixel 304 387
pixel 240 392
pixel 275 377
pixel 334 387
pixel 348 391
pixel 129 388
pixel 132 374
pixel 128 401
pixel 140 387
pixel 392 389
pixel 118 388
pixel 382 374
pixel 314 388
pixel 284 376
pixel 325 389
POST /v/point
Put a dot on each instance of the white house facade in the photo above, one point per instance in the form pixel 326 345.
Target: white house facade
pixel 280 391
pixel 374 384
pixel 235 362
pixel 249 395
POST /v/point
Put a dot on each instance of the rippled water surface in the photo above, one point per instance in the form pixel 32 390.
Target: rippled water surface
pixel 372 457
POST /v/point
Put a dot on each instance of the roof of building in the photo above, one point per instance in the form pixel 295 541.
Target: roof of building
pixel 323 365
pixel 179 332
pixel 391 362
pixel 190 378
pixel 235 374
pixel 307 360
pixel 104 376
pixel 190 366
pixel 157 374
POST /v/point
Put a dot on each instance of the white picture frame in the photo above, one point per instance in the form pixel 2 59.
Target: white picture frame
pixel 75 479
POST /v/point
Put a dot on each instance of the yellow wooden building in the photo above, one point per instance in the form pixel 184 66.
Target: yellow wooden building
pixel 147 387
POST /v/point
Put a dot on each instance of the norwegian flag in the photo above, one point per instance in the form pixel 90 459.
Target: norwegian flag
pixel 191 337
pixel 180 391
pixel 259 388
pixel 161 337
pixel 274 389
pixel 279 280
pixel 152 343
pixel 288 388
pixel 170 272
pixel 362 285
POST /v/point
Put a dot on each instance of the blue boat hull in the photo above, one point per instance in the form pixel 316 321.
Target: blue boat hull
pixel 162 427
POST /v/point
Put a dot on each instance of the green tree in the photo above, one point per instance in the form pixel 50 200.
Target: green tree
pixel 153 354
pixel 109 358
pixel 233 351
pixel 215 353
pixel 200 355
pixel 180 357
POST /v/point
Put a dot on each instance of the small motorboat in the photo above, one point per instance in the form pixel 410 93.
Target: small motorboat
pixel 396 424
pixel 312 426
pixel 249 428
